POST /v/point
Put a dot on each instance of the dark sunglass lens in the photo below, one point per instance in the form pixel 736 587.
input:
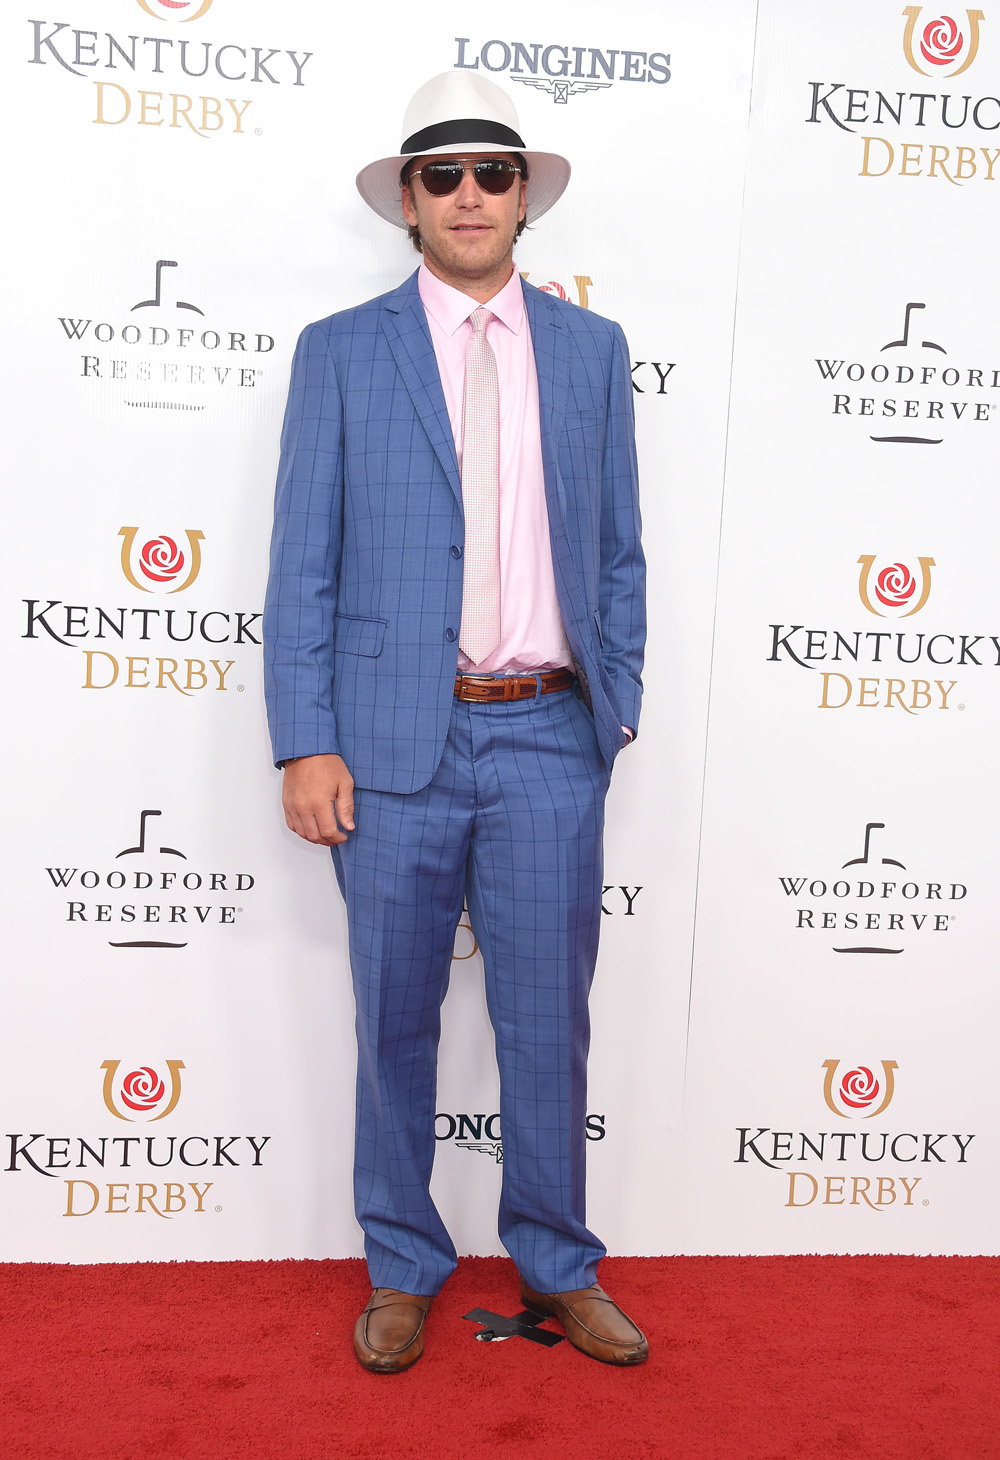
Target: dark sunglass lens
pixel 441 178
pixel 495 175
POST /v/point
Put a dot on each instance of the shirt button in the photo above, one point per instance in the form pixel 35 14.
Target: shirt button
pixel 456 551
pixel 450 635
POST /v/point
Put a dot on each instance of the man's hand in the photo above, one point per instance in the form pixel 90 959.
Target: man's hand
pixel 316 786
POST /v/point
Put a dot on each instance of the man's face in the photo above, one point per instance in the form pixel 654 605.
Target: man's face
pixel 468 235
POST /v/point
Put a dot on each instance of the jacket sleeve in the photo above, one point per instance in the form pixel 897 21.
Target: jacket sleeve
pixel 623 568
pixel 306 549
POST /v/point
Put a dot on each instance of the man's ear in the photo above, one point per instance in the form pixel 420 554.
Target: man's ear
pixel 406 202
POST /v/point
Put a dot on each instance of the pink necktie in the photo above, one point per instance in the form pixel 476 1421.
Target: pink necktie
pixel 480 631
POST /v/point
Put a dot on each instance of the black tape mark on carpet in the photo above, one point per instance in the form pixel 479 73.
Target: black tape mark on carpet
pixel 522 1325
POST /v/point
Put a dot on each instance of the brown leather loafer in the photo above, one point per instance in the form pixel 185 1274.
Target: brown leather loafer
pixel 389 1334
pixel 593 1322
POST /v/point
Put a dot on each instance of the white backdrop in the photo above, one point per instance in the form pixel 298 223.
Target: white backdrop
pixel 177 1040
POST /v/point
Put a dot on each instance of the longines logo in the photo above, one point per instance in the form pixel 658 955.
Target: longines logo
pixel 941 48
pixel 181 57
pixel 860 1093
pixel 481 1133
pixel 875 661
pixel 154 563
pixel 912 399
pixel 164 360
pixel 150 895
pixel 137 1094
pixel 872 903
pixel 559 70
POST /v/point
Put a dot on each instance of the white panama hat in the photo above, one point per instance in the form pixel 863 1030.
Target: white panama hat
pixel 460 111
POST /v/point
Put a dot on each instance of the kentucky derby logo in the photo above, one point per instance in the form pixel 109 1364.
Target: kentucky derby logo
pixel 561 291
pixel 141 1091
pixel 183 10
pixel 894 587
pixel 159 564
pixel 859 1089
pixel 940 46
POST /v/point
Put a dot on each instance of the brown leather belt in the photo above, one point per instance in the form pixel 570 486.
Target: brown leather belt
pixel 496 688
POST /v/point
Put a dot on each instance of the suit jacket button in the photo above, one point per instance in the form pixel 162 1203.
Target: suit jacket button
pixel 456 551
pixel 450 635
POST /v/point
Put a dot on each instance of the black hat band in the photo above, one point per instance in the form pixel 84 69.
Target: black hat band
pixel 443 133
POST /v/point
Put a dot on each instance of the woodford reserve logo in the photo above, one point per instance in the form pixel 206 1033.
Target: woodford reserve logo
pixel 909 391
pixel 885 1169
pixel 150 895
pixel 181 59
pixel 885 121
pixel 159 1166
pixel 119 644
pixel 163 353
pixel 872 903
pixel 875 665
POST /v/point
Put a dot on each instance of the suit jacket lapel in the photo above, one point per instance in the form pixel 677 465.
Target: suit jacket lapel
pixel 405 326
pixel 551 346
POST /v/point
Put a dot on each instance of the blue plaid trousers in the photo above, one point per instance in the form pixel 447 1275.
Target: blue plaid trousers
pixel 513 822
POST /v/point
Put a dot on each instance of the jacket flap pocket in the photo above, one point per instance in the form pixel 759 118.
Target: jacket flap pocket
pixel 358 635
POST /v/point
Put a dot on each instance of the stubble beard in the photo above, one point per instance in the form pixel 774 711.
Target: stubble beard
pixel 451 259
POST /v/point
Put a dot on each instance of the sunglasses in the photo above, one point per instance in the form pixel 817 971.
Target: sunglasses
pixel 493 174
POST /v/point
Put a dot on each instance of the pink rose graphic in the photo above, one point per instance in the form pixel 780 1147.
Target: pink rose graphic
pixel 859 1088
pixel 161 559
pixel 895 586
pixel 142 1089
pixel 941 41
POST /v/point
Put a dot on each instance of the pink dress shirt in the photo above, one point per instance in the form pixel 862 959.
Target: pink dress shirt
pixel 532 636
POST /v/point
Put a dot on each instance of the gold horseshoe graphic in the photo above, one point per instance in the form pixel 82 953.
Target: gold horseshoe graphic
pixel 175 1067
pixel 127 534
pixel 926 564
pixel 866 561
pixel 109 1067
pixel 975 16
pixel 888 1066
pixel 195 540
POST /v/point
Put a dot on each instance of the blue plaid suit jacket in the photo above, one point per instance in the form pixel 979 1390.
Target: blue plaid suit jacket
pixel 364 598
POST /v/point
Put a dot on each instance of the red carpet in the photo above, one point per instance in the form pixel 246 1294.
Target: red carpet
pixel 753 1359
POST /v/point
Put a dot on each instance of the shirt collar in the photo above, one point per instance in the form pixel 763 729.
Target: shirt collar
pixel 450 307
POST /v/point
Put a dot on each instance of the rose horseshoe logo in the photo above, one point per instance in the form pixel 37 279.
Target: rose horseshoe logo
pixel 160 560
pixel 858 1089
pixel 895 587
pixel 142 1090
pixel 174 9
pixel 942 45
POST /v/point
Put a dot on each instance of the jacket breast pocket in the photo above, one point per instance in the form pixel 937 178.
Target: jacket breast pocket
pixel 583 420
pixel 582 441
pixel 358 635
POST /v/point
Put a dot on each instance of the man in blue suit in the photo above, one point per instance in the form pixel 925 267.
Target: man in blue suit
pixel 454 633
